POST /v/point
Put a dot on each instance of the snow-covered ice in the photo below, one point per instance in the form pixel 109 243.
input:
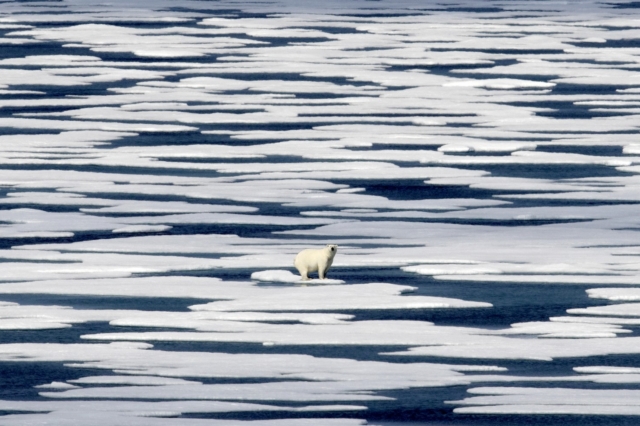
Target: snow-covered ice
pixel 161 163
pixel 284 276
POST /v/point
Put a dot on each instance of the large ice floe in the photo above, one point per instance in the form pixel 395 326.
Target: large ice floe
pixel 161 164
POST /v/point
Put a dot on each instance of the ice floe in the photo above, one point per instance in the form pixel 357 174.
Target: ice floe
pixel 141 228
pixel 284 276
pixel 519 400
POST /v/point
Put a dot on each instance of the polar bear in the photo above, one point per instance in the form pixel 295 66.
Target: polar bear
pixel 311 260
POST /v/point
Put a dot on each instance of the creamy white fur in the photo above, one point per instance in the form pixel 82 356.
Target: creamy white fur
pixel 312 260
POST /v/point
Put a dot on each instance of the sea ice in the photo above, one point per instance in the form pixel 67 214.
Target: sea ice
pixel 288 277
pixel 519 400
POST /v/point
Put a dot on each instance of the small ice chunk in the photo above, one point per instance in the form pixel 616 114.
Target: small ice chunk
pixel 632 149
pixel 501 83
pixel 606 370
pixel 132 380
pixel 454 148
pixel 284 276
pixel 43 234
pixel 57 385
pixel 350 190
pixel 615 294
pixel 27 323
pixel 141 228
pixel 521 400
pixel 622 310
pixel 359 211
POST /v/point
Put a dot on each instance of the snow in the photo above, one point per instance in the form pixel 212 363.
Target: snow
pixel 319 298
pixel 57 386
pixel 519 400
pixel 451 149
pixel 504 84
pixel 606 370
pixel 626 309
pixel 284 276
pixel 131 409
pixel 615 294
pixel 73 415
pixel 563 330
pixel 275 391
pixel 131 380
pixel 141 228
pixel 491 347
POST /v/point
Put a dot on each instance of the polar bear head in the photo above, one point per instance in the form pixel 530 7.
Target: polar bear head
pixel 331 250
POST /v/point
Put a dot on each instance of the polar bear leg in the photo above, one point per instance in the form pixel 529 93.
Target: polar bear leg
pixel 322 270
pixel 324 274
pixel 304 274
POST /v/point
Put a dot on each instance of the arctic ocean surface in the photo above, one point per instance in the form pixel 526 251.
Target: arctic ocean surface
pixel 476 162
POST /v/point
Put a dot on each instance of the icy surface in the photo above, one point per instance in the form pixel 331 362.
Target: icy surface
pixel 288 277
pixel 161 164
pixel 550 401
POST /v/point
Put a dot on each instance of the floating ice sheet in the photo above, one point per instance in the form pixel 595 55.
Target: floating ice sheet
pixel 141 228
pixel 517 400
pixel 538 349
pixel 616 294
pixel 284 276
pixel 319 298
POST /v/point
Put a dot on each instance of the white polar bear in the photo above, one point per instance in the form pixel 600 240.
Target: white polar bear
pixel 311 260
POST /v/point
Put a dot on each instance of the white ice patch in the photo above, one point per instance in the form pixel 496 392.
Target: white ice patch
pixel 454 148
pixel 219 321
pixel 502 83
pixel 284 276
pixel 563 330
pixel 518 400
pixel 108 126
pixel 166 207
pixel 606 370
pixel 615 294
pixel 42 234
pixel 133 359
pixel 494 347
pixel 155 416
pixel 57 386
pixel 52 198
pixel 299 391
pixel 141 228
pixel 131 380
pixel 31 324
pixel 125 412
pixel 597 320
pixel 242 311
pixel 320 298
pixel 623 310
